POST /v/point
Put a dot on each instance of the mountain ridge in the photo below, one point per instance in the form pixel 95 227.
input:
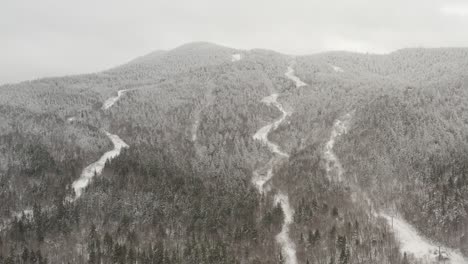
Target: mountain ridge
pixel 194 47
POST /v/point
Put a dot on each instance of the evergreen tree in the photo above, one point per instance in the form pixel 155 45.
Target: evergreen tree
pixel 38 222
pixel 94 250
pixel 25 255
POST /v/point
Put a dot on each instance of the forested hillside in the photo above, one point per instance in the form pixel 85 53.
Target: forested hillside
pixel 182 191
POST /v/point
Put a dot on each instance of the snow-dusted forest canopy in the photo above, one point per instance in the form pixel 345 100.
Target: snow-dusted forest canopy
pixel 368 136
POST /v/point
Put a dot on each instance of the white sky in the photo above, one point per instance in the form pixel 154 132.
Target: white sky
pixel 60 37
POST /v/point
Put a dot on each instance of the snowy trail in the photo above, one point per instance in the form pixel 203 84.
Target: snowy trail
pixel 410 240
pixel 417 245
pixel 283 238
pixel 5 223
pixel 260 179
pixel 333 165
pixel 336 68
pixel 263 175
pixel 195 126
pixel 96 168
pixel 91 170
pixel 287 245
pixel 236 57
pixel 262 133
pixel 112 100
pixel 294 78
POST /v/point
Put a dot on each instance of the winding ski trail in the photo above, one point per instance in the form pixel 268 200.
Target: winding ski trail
pixel 112 100
pixel 283 238
pixel 291 75
pixel 262 133
pixel 263 175
pixel 336 68
pixel 90 171
pixel 333 165
pixel 96 168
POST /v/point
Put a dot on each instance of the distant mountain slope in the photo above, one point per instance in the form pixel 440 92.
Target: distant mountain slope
pixel 159 65
pixel 148 58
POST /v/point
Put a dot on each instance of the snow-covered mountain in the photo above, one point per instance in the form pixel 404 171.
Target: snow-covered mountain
pixel 220 155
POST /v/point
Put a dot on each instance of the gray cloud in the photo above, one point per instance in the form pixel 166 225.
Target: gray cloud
pixel 58 37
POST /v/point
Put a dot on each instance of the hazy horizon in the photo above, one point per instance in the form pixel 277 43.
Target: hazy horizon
pixel 54 38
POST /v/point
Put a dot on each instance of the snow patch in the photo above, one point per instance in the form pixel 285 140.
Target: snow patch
pixel 290 75
pixel 283 238
pixel 5 223
pixel 236 57
pixel 415 244
pixel 333 165
pixel 262 133
pixel 111 101
pixel 260 178
pixel 195 126
pixel 28 213
pixel 337 69
pixel 96 168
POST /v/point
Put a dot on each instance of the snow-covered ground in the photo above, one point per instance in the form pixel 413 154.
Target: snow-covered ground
pixel 28 213
pixel 414 244
pixel 337 69
pixel 112 100
pixel 259 180
pixel 195 126
pixel 287 245
pixel 262 133
pixel 290 74
pixel 263 175
pixel 410 240
pixel 4 223
pixel 96 168
pixel 333 164
pixel 91 170
pixel 236 57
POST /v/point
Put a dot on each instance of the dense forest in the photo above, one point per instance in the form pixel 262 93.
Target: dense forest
pixel 182 192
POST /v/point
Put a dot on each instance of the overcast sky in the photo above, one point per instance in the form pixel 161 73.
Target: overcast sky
pixel 59 37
